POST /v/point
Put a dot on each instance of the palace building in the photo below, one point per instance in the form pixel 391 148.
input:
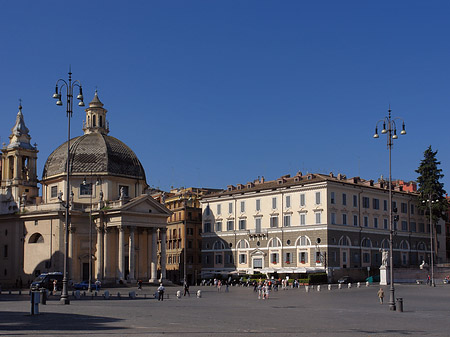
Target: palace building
pixel 311 223
pixel 113 221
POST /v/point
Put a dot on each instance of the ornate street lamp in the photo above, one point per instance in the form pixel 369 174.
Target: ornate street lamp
pixel 390 129
pixel 69 86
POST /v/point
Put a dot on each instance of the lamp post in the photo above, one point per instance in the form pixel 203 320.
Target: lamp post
pixel 391 132
pixel 69 86
pixel 430 202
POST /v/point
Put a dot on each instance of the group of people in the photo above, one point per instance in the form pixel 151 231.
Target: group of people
pixel 263 290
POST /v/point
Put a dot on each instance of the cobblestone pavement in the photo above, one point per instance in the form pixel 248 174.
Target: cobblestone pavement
pixel 293 312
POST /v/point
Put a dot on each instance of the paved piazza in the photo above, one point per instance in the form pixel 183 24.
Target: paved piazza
pixel 294 312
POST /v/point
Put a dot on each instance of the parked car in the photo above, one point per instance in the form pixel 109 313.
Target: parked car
pixel 345 279
pixel 45 280
pixel 83 285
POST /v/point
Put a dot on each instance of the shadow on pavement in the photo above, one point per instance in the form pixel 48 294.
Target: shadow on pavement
pixel 20 321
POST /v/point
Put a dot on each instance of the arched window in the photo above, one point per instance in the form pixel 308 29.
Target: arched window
pixel 243 244
pixel 36 238
pixel 218 245
pixel 404 245
pixel 344 241
pixel 100 121
pixel 385 244
pixel 303 241
pixel 420 246
pixel 274 243
pixel 94 121
pixel 366 243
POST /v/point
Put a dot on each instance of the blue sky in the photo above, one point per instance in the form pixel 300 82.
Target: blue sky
pixel 212 93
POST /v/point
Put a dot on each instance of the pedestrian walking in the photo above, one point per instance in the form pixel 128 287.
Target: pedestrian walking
pixel 55 287
pixel 186 288
pixel 161 292
pixel 380 294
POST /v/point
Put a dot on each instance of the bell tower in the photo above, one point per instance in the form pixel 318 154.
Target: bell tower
pixel 19 179
pixel 96 117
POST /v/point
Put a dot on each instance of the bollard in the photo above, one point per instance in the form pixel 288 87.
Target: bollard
pixel 77 294
pixel 307 289
pixel 349 285
pixel 95 293
pixel 34 302
pixel 367 283
pixel 179 294
pixel 43 296
pixel 329 287
pixel 399 304
pixel 132 294
pixel 358 285
pixel 118 295
pixel 339 286
pixel 318 287
pixel 145 295
pixel 20 291
pixel 199 293
pixel 106 295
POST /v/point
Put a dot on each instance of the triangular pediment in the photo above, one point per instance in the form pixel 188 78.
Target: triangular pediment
pixel 257 252
pixel 145 204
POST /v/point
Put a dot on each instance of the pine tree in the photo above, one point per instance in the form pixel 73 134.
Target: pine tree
pixel 430 188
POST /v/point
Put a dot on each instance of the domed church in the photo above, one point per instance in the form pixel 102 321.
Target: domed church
pixel 113 220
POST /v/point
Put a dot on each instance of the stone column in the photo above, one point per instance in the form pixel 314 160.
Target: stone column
pixel 105 252
pixel 163 253
pixel 121 268
pixel 131 258
pixel 154 257
pixel 99 273
pixel 70 262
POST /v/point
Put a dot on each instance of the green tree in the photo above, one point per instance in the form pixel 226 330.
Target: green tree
pixel 430 188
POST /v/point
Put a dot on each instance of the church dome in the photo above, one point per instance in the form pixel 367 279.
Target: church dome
pixel 97 153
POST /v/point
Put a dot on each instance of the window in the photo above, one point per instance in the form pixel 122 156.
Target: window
pixel 85 189
pixel 365 202
pixel 273 221
pixel 302 199
pixel 54 191
pixel 404 207
pixel 303 257
pixel 404 225
pixel 317 198
pixel 412 226
pixel 207 227
pixel 332 199
pixel 355 220
pixel 5 251
pixel 242 224
pixel 230 225
pixel 366 221
pixel 375 203
pixel 288 201
pixel 375 222
pixel 287 221
pixel 274 203
pixel 258 204
pixel 318 218
pixel 412 209
pixel 218 226
pixel 258 225
pixel 344 199
pixel 257 263
pixel 229 258
pixel 219 209
pixel 385 223
pixel 288 258
pixel 333 218
pixel 385 204
pixel 230 207
pixel 421 228
pixel 302 219
pixel 219 259
pixel 242 206
pixel 242 258
pixel 344 219
pixel 318 257
pixel 274 258
pixel 355 200
pixel 124 190
pixel 366 243
pixel 366 257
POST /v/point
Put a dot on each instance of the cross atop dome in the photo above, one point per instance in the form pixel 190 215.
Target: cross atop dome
pixel 96 117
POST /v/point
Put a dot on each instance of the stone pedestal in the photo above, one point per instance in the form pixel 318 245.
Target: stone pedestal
pixel 384 276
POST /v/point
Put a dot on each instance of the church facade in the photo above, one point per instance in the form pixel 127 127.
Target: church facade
pixel 115 229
